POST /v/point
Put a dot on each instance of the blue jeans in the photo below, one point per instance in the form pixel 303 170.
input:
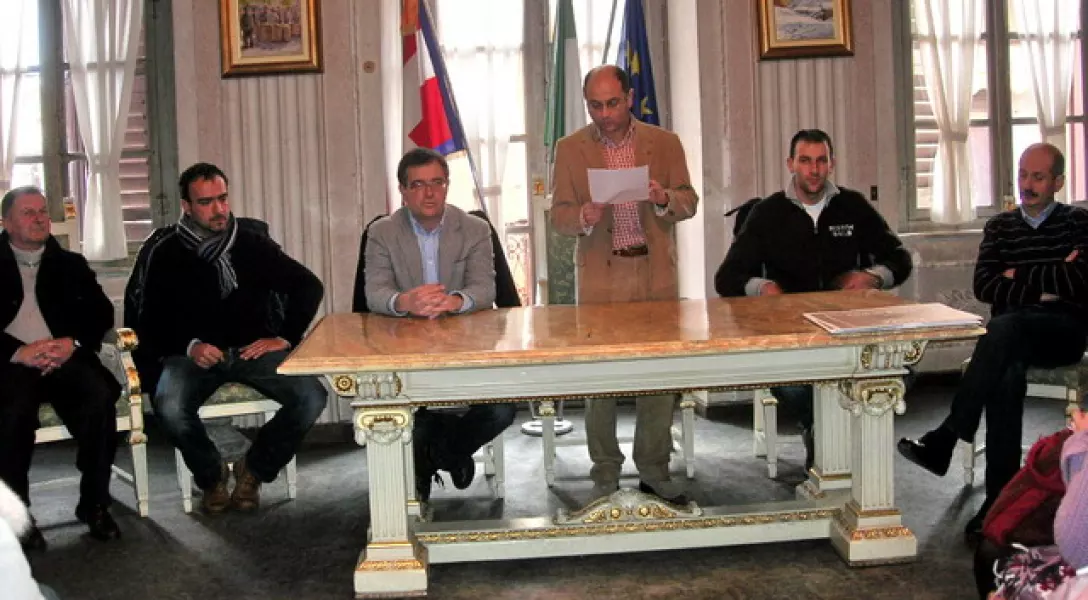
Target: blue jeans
pixel 184 388
pixel 996 380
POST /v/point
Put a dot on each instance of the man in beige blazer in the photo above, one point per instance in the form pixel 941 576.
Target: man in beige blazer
pixel 429 259
pixel 625 253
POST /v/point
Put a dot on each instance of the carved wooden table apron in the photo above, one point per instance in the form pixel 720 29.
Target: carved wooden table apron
pixel 388 366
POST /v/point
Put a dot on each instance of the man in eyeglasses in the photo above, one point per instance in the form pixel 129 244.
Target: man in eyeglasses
pixel 429 259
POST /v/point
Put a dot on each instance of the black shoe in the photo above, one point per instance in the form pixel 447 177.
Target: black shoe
pixel 973 531
pixel 932 451
pixel 810 447
pixel 679 499
pixel 98 519
pixel 462 470
pixel 33 540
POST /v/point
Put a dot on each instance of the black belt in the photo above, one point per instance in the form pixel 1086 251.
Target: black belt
pixel 632 251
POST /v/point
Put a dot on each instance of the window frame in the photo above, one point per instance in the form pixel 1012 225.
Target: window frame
pixel 997 41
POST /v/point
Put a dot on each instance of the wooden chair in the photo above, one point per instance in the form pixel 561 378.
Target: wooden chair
pixel 233 400
pixel 116 354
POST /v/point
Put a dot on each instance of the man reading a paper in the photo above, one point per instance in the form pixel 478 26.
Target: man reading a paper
pixel 1032 269
pixel 626 252
pixel 812 236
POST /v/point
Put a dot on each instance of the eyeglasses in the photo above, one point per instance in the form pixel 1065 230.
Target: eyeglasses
pixel 434 184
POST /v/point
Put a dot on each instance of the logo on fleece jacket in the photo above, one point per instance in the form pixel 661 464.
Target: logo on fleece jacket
pixel 841 230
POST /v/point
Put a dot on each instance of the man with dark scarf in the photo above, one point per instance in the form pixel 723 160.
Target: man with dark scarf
pixel 205 318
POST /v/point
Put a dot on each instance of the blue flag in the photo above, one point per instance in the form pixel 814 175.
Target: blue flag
pixel 635 59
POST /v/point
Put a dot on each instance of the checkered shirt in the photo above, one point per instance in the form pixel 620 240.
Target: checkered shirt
pixel 626 228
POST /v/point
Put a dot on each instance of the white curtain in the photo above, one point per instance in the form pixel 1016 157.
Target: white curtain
pixel 948 33
pixel 103 39
pixel 481 41
pixel 13 60
pixel 1048 29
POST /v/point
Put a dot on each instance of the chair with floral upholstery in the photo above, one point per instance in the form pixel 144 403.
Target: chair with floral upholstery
pixel 116 354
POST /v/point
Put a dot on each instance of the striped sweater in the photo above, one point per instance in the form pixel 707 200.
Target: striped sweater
pixel 1038 257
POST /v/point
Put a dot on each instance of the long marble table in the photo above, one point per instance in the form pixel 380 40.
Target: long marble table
pixel 388 366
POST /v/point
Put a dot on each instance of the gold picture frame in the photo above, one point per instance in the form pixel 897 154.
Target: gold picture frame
pixel 268 37
pixel 804 28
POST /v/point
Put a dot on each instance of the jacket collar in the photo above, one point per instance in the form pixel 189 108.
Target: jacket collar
pixel 52 247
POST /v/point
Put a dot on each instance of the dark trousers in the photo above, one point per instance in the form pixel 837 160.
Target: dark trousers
pixel 996 380
pixel 986 554
pixel 84 396
pixel 184 388
pixel 798 399
pixel 450 435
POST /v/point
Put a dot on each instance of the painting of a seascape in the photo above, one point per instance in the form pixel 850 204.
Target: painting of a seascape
pixel 804 28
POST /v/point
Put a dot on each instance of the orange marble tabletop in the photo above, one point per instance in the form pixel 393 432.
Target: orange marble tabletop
pixel 594 332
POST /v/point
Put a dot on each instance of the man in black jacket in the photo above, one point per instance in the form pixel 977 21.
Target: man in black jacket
pixel 54 316
pixel 204 317
pixel 812 236
pixel 1033 270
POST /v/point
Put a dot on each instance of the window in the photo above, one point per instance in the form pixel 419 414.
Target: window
pixel 1004 117
pixel 484 45
pixel 47 137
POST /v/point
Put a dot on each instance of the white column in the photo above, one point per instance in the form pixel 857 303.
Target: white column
pixel 831 469
pixel 392 564
pixel 870 530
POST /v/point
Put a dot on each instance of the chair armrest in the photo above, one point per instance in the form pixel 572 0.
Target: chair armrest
pixel 116 355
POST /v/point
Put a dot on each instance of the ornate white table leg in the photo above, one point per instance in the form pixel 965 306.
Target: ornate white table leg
pixel 831 468
pixel 392 565
pixel 870 530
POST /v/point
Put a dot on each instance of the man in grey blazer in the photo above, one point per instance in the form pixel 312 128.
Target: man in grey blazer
pixel 428 260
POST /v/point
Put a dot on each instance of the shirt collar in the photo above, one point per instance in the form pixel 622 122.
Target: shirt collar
pixel 1035 222
pixel 418 228
pixel 627 137
pixel 830 191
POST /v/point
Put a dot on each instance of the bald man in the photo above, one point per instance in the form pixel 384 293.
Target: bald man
pixel 1033 270
pixel 625 253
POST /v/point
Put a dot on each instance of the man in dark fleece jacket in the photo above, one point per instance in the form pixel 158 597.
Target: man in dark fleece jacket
pixel 812 236
pixel 205 318
pixel 1033 270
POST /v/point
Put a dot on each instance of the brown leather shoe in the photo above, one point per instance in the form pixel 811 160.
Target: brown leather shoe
pixel 217 499
pixel 247 489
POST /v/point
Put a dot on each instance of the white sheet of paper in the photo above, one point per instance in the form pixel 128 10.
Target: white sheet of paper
pixel 612 186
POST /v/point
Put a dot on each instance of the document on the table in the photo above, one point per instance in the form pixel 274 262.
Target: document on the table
pixel 891 318
pixel 612 186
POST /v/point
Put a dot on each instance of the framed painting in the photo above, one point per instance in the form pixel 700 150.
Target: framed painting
pixel 804 28
pixel 262 37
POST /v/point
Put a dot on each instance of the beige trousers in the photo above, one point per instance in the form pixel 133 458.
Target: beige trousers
pixel 630 282
pixel 653 439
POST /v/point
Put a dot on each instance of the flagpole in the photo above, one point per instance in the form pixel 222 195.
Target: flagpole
pixel 427 27
pixel 608 36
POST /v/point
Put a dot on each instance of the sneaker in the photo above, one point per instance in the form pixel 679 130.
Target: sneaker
pixel 247 489
pixel 217 498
